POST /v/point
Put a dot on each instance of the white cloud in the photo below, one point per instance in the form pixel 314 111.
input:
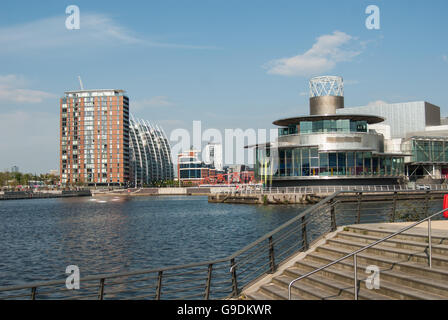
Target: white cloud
pixel 12 89
pixel 445 58
pixel 323 56
pixel 154 102
pixel 95 30
pixel 376 103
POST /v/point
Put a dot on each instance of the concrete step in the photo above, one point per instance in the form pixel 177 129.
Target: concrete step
pixel 387 288
pixel 419 255
pixel 405 266
pixel 257 295
pixel 302 291
pixel 335 290
pixel 415 234
pixel 390 274
pixel 395 243
pixel 276 292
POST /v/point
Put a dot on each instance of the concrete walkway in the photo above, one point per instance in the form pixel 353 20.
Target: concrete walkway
pixel 439 225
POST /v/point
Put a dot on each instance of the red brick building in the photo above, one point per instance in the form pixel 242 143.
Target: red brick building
pixel 94 137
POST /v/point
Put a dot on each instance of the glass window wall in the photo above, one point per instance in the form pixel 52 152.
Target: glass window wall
pixel 305 162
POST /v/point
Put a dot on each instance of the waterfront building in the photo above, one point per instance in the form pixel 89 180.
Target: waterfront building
pixel 150 153
pixel 94 137
pixel 191 169
pixel 416 129
pixel 189 166
pixel 327 147
pixel 14 169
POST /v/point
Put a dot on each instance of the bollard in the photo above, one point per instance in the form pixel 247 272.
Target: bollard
pixel 445 205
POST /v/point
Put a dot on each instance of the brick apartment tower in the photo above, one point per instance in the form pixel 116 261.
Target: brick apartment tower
pixel 94 138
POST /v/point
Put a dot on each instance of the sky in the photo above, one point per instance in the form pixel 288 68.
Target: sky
pixel 229 64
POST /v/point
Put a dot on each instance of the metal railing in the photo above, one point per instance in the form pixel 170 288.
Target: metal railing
pixel 356 252
pixel 248 190
pixel 226 277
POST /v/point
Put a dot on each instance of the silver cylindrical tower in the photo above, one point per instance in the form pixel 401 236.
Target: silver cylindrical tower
pixel 326 95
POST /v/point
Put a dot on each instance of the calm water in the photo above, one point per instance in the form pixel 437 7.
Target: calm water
pixel 39 238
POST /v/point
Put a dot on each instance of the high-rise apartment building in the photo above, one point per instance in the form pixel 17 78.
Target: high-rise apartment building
pixel 94 137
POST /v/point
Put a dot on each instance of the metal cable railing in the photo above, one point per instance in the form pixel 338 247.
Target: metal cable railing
pixel 226 277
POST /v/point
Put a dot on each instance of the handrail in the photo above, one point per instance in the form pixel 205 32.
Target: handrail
pixel 311 189
pixel 354 253
pixel 286 224
pixel 192 265
pixel 237 260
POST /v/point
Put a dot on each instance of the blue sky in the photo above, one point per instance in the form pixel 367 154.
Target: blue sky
pixel 230 64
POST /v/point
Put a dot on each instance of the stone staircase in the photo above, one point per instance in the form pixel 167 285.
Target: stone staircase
pixel 402 261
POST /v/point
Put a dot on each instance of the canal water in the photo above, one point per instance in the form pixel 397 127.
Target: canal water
pixel 40 238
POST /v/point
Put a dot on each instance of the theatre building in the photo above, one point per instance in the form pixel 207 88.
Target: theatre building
pixel 327 148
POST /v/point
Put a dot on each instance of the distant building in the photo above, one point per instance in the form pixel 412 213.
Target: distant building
pixel 94 137
pixel 213 155
pixel 240 173
pixel 14 169
pixel 191 169
pixel 150 153
pixel 54 172
pixel 189 166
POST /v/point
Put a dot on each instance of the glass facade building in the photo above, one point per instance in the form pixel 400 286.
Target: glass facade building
pixel 309 162
pixel 328 147
pixel 150 154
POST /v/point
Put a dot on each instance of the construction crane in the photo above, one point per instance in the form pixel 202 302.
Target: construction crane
pixel 80 83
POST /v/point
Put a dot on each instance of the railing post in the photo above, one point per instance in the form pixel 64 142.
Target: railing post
pixel 426 203
pixel 355 265
pixel 430 243
pixel 234 281
pixel 101 290
pixel 209 281
pixel 358 215
pixel 271 255
pixel 304 235
pixel 333 216
pixel 159 286
pixel 394 207
pixel 33 293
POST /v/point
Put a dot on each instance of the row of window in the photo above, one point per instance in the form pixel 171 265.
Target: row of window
pixel 322 126
pixel 309 162
pixel 190 174
pixel 427 151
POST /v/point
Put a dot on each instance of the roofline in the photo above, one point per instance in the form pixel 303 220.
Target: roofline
pixel 95 90
pixel 294 120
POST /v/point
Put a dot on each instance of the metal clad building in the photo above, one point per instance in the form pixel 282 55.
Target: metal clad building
pixel 401 117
